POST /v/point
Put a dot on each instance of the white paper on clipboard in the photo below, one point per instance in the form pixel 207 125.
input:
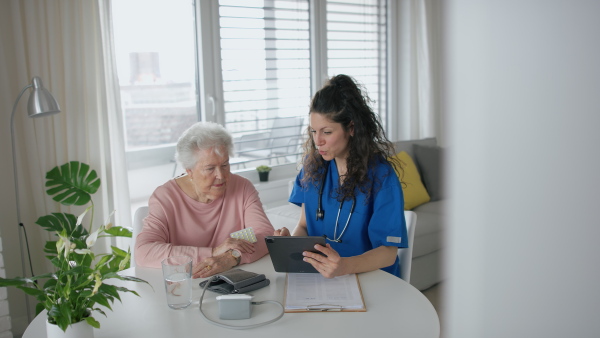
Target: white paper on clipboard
pixel 307 292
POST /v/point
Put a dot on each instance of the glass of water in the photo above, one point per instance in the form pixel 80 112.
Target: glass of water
pixel 177 273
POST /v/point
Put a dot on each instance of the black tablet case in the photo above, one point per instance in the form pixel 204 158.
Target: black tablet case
pixel 286 252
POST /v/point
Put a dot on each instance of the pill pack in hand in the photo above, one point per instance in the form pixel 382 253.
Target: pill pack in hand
pixel 247 234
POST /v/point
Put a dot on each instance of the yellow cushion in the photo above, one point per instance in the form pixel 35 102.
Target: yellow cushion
pixel 414 191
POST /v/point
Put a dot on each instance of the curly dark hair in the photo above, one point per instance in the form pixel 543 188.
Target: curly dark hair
pixel 341 100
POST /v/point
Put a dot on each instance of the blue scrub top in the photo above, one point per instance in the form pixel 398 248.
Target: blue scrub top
pixel 376 222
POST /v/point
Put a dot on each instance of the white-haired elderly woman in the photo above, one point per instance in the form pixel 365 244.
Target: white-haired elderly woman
pixel 194 214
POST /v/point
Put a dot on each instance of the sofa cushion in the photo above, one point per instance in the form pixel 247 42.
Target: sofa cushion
pixel 414 191
pixel 427 223
pixel 430 163
pixel 437 207
pixel 426 244
pixel 408 145
pixel 426 270
pixel 429 229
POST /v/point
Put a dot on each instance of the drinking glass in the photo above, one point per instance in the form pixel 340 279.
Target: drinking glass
pixel 177 273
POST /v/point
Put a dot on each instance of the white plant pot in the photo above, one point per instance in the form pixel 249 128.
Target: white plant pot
pixel 77 330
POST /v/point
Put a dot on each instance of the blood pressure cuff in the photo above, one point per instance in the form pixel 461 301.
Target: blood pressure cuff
pixel 236 281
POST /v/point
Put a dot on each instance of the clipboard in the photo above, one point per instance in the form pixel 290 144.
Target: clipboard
pixel 314 293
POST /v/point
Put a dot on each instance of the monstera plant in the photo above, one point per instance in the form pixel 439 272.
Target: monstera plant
pixel 77 288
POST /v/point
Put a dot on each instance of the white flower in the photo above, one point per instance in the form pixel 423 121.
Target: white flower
pixel 91 240
pixel 124 262
pixel 108 226
pixel 80 218
pixel 60 244
pixel 108 220
pixel 83 251
pixel 97 285
pixel 63 243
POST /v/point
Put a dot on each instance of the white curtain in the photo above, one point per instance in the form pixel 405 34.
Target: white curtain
pixel 416 34
pixel 68 44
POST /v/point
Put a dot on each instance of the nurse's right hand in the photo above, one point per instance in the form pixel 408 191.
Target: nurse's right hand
pixel 282 232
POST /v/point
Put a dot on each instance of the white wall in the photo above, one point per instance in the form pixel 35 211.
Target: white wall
pixel 522 93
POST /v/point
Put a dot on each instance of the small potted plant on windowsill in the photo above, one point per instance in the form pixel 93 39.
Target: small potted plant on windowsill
pixel 77 286
pixel 263 172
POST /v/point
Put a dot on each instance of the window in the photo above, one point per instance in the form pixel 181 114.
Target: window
pixel 251 65
pixel 156 64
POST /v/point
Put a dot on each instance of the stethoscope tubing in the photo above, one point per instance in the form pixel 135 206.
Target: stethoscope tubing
pixel 321 212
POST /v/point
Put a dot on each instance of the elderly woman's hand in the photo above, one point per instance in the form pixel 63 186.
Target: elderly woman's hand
pixel 282 232
pixel 234 243
pixel 213 265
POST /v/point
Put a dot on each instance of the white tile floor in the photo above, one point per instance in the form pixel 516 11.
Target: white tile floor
pixel 434 294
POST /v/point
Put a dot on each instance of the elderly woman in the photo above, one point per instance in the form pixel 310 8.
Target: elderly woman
pixel 194 214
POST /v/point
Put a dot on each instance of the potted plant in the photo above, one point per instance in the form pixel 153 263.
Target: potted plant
pixel 78 285
pixel 263 172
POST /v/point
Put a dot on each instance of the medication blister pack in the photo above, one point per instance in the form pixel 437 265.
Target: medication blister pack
pixel 247 234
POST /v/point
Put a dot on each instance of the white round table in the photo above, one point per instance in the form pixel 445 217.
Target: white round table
pixel 393 307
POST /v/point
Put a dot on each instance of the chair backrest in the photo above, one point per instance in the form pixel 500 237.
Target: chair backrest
pixel 283 130
pixel 405 254
pixel 138 223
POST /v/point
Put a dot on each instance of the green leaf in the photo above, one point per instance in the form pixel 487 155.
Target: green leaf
pixel 39 308
pixel 119 232
pixel 72 183
pixel 56 261
pixel 65 315
pixel 54 311
pixel 63 322
pixel 32 291
pixel 93 322
pixel 13 281
pixel 80 270
pixel 100 310
pixel 50 247
pixel 102 261
pixel 101 299
pixel 51 281
pixel 43 276
pixel 59 222
pixel 118 252
pixel 125 278
pixel 124 289
pixel 109 290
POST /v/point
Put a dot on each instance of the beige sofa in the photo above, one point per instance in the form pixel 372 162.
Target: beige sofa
pixel 427 250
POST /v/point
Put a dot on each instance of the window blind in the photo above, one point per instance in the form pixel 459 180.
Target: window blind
pixel 356 45
pixel 265 60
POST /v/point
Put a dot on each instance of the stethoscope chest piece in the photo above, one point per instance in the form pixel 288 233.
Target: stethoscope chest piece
pixel 320 214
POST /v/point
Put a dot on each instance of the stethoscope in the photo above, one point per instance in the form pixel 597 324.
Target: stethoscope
pixel 321 212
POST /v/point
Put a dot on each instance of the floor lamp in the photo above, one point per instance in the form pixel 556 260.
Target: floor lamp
pixel 41 103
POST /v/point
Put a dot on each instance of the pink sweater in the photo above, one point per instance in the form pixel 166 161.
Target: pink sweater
pixel 179 225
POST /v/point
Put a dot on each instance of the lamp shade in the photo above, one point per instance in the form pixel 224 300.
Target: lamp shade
pixel 41 102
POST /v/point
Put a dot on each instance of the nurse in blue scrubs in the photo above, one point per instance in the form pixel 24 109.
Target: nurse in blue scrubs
pixel 347 188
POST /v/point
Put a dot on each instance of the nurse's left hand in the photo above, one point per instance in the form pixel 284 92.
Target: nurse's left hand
pixel 331 265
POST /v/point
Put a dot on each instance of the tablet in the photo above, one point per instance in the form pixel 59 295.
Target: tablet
pixel 286 252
